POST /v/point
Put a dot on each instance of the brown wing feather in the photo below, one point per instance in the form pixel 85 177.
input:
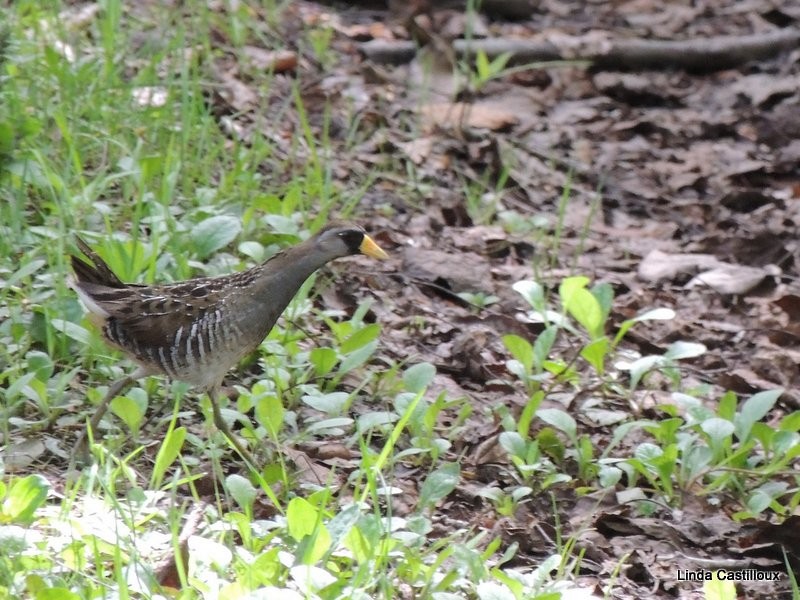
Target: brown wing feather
pixel 150 316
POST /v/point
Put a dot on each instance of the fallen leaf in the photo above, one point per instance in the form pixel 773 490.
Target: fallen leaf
pixel 277 61
pixel 658 265
pixel 18 457
pixel 733 279
pixel 482 115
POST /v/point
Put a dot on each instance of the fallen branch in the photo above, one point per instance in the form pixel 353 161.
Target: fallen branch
pixel 697 54
pixel 494 9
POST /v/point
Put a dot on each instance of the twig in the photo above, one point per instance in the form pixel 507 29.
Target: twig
pixel 696 54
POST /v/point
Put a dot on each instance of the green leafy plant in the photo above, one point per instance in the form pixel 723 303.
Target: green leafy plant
pixel 22 499
pixel 486 70
pixel 479 299
pixel 730 450
pixel 583 315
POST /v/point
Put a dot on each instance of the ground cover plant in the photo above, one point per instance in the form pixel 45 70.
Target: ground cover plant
pixel 575 377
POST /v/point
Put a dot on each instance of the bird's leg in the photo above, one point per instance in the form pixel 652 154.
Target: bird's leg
pixel 222 425
pixel 81 449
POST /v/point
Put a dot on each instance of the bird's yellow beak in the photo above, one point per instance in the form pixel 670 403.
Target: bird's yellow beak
pixel 370 248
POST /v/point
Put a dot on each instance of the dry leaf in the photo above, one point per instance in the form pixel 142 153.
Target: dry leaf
pixel 733 279
pixel 483 115
pixel 658 265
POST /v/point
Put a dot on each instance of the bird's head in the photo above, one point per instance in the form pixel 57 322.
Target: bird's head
pixel 343 239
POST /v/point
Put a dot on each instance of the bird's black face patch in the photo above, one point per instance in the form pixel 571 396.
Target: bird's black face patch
pixel 352 239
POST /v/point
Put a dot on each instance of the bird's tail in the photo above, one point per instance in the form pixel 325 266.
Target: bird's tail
pixel 96 271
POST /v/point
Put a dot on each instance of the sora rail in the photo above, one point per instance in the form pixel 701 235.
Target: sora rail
pixel 195 331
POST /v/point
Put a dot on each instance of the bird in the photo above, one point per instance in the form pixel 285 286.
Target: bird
pixel 196 330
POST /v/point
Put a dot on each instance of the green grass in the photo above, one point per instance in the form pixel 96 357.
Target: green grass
pixel 164 193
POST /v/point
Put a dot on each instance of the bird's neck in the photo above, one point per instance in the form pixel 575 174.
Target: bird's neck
pixel 279 279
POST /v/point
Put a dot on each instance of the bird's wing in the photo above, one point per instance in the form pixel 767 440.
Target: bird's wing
pixel 150 316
